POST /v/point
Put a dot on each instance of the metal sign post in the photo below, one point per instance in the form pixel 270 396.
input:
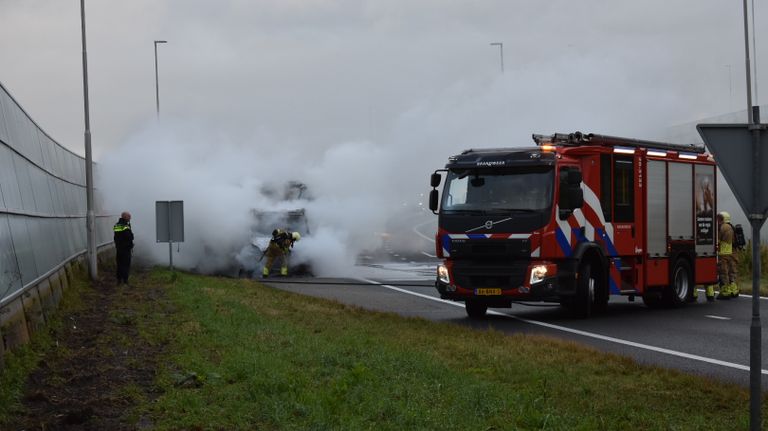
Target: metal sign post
pixel 169 224
pixel 730 144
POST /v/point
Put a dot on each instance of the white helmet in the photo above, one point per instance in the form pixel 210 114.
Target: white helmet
pixel 295 236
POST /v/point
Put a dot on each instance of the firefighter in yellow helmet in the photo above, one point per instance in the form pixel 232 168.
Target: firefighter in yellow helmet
pixel 726 261
pixel 279 248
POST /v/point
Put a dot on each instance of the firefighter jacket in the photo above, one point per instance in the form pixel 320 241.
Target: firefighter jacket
pixel 123 235
pixel 280 244
pixel 725 236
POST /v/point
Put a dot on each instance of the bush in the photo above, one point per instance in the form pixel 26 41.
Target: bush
pixel 744 260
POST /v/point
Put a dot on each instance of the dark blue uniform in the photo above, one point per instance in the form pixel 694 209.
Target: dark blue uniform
pixel 124 246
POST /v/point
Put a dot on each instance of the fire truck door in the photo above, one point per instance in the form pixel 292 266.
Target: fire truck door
pixel 623 212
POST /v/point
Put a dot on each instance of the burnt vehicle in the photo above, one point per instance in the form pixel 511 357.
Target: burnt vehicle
pixel 251 256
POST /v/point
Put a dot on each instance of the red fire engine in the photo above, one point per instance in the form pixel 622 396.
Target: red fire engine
pixel 574 220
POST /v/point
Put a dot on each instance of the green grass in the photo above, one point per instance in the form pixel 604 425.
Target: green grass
pixel 243 356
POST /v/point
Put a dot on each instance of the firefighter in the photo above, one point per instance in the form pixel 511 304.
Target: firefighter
pixel 123 246
pixel 726 261
pixel 279 248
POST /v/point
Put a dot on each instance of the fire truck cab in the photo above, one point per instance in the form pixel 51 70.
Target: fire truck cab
pixel 574 220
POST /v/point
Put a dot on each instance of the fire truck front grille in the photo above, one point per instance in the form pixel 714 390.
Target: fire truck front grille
pixel 507 277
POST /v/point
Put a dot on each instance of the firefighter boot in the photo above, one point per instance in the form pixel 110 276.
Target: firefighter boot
pixel 733 288
pixel 284 271
pixel 710 293
pixel 724 292
pixel 265 272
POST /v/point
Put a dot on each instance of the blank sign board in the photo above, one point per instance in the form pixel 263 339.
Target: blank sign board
pixel 169 221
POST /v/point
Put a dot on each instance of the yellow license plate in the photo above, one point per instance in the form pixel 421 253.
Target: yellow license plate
pixel 487 292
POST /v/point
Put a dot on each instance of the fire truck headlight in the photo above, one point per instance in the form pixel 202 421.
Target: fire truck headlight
pixel 539 273
pixel 442 274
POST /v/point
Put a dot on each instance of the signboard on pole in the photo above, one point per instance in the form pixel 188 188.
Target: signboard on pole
pixel 731 144
pixel 169 221
pixel 169 224
pixel 740 151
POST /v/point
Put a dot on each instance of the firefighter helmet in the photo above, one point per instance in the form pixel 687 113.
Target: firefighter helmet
pixel 295 236
pixel 725 216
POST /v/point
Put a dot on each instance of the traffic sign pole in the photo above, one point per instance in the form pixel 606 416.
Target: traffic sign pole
pixel 755 331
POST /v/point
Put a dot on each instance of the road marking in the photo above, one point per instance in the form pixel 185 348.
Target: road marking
pixel 582 333
pixel 427 254
pixel 432 240
pixel 717 317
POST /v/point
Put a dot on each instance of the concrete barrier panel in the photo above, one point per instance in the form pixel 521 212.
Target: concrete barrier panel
pixel 33 311
pixel 47 301
pixel 56 289
pixel 13 325
pixel 64 276
pixel 2 351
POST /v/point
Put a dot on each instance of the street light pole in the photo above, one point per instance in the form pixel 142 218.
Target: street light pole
pixel 90 220
pixel 501 53
pixel 157 88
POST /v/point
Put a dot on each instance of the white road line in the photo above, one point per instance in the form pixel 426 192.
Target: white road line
pixel 717 317
pixel 582 333
pixel 427 254
pixel 432 240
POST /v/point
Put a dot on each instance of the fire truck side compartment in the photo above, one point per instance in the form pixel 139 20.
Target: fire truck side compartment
pixel 657 208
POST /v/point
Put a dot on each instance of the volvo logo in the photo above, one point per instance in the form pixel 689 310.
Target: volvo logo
pixel 489 224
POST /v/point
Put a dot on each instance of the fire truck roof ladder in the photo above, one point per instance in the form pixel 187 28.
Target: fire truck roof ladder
pixel 577 139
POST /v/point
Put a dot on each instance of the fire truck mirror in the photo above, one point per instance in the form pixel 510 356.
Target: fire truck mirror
pixel 433 200
pixel 571 197
pixel 435 179
pixel 574 177
pixel 577 197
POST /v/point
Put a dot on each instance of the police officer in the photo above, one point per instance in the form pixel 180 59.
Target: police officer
pixel 279 248
pixel 123 246
pixel 726 261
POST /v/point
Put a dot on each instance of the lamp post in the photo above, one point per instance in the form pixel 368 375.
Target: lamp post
pixel 157 88
pixel 90 220
pixel 501 53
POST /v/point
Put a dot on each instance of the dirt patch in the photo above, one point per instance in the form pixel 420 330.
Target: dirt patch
pixel 99 368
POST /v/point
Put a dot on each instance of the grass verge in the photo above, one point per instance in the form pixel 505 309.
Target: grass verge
pixel 22 361
pixel 244 356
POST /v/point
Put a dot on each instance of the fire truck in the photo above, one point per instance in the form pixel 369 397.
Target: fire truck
pixel 573 220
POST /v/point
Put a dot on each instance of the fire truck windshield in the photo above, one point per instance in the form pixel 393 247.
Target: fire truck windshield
pixel 499 190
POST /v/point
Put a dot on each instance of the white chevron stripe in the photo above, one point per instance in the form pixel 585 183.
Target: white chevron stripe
pixel 590 198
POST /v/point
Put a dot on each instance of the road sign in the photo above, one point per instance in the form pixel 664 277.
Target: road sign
pixel 740 151
pixel 169 221
pixel 731 144
pixel 169 224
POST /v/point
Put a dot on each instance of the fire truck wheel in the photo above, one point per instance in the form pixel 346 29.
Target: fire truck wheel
pixel 475 309
pixel 680 286
pixel 585 291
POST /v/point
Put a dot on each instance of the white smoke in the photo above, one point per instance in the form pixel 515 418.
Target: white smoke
pixel 223 178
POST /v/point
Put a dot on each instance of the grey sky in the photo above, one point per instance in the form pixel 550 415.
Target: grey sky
pixel 313 73
pixel 359 99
